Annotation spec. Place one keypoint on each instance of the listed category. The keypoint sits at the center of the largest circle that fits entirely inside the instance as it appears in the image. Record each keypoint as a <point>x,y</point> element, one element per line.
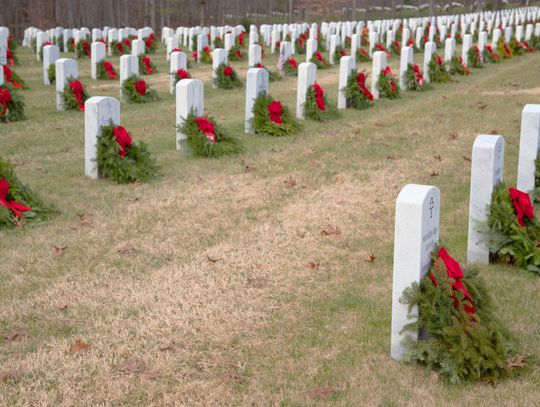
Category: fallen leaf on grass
<point>494,131</point>
<point>313,265</point>
<point>371,258</point>
<point>437,157</point>
<point>172,347</point>
<point>290,182</point>
<point>301,234</point>
<point>482,106</point>
<point>214,259</point>
<point>321,392</point>
<point>453,136</point>
<point>84,220</point>
<point>127,249</point>
<point>78,346</point>
<point>247,167</point>
<point>237,377</point>
<point>331,231</point>
<point>17,336</point>
<point>466,158</point>
<point>390,157</point>
<point>59,250</point>
<point>434,174</point>
<point>519,361</point>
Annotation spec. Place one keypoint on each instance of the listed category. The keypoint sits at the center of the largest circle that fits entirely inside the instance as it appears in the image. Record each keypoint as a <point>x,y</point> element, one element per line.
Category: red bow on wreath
<point>109,69</point>
<point>418,74</point>
<point>381,48</point>
<point>15,207</point>
<point>119,47</point>
<point>46,43</point>
<point>241,39</point>
<point>361,81</point>
<point>149,40</point>
<point>182,74</point>
<point>176,50</point>
<point>275,110</point>
<point>5,98</point>
<point>388,73</point>
<point>439,60</point>
<point>319,96</point>
<point>396,45</point>
<point>453,269</point>
<point>522,205</point>
<point>86,48</point>
<point>238,53</point>
<point>127,41</point>
<point>195,56</point>
<point>9,55</point>
<point>410,43</point>
<point>228,71</point>
<point>342,52</point>
<point>507,50</point>
<point>78,90</point>
<point>7,77</point>
<point>140,87</point>
<point>292,62</point>
<point>477,51</point>
<point>147,65</point>
<point>123,139</point>
<point>207,128</point>
<point>364,53</point>
<point>319,56</point>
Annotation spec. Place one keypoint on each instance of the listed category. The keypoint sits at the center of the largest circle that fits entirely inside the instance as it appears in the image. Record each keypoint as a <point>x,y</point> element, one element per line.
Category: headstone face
<point>529,144</point>
<point>307,75</point>
<point>138,47</point>
<point>3,55</point>
<point>228,42</point>
<point>406,59</point>
<point>373,39</point>
<point>129,65</point>
<point>189,98</point>
<point>482,41</point>
<point>50,54</point>
<point>379,64</point>
<point>41,38</point>
<point>202,41</point>
<point>519,33</point>
<point>178,61</point>
<point>416,236</point>
<point>496,36</point>
<point>256,84</point>
<point>172,43</point>
<point>334,42</point>
<point>96,34</point>
<point>99,111</point>
<point>219,56</point>
<point>285,49</point>
<point>97,55</point>
<point>529,32</point>
<point>254,55</point>
<point>347,65</point>
<point>449,49</point>
<point>311,48</point>
<point>355,44</point>
<point>429,49</point>
<point>467,45</point>
<point>66,69</point>
<point>274,41</point>
<point>508,34</point>
<point>405,37</point>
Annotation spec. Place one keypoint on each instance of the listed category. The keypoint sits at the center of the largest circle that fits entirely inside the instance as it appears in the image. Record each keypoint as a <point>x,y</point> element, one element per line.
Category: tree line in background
<point>19,14</point>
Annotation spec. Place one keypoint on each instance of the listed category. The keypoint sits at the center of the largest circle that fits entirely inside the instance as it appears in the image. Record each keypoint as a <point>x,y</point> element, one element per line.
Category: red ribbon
<point>522,205</point>
<point>507,50</point>
<point>241,38</point>
<point>15,207</point>
<point>86,48</point>
<point>388,72</point>
<point>381,48</point>
<point>398,48</point>
<point>119,47</point>
<point>275,110</point>
<point>439,60</point>
<point>149,40</point>
<point>364,53</point>
<point>78,90</point>
<point>123,139</point>
<point>207,128</point>
<point>410,43</point>
<point>109,69</point>
<point>319,56</point>
<point>140,87</point>
<point>5,98</point>
<point>7,77</point>
<point>292,62</point>
<point>147,66</point>
<point>477,51</point>
<point>228,71</point>
<point>361,81</point>
<point>182,74</point>
<point>453,270</point>
<point>319,96</point>
<point>176,50</point>
<point>195,56</point>
<point>418,74</point>
<point>127,42</point>
<point>342,52</point>
<point>238,53</point>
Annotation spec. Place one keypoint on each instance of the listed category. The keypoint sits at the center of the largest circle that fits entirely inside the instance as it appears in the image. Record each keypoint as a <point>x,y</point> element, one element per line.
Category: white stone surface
<point>178,61</point>
<point>307,75</point>
<point>256,84</point>
<point>219,56</point>
<point>254,55</point>
<point>529,144</point>
<point>379,64</point>
<point>347,65</point>
<point>97,54</point>
<point>406,59</point>
<point>50,54</point>
<point>66,70</point>
<point>189,98</point>
<point>129,65</point>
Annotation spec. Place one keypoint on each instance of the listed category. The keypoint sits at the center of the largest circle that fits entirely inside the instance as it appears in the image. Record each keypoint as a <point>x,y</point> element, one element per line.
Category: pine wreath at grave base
<point>14,193</point>
<point>357,94</point>
<point>414,80</point>
<point>70,45</point>
<point>207,139</point>
<point>206,55</point>
<point>122,160</point>
<point>395,48</point>
<point>41,50</point>
<point>136,90</point>
<point>517,48</point>
<point>150,44</point>
<point>455,66</point>
<point>474,58</point>
<point>119,48</point>
<point>319,61</point>
<point>262,118</point>
<point>51,73</point>
<point>321,43</point>
<point>11,77</point>
<point>226,77</point>
<point>490,56</point>
<point>503,49</point>
<point>317,107</point>
<point>362,55</point>
<point>466,341</point>
<point>235,54</point>
<point>290,68</point>
<point>82,49</point>
<point>338,53</point>
<point>218,42</point>
<point>11,105</point>
<point>273,76</point>
<point>512,241</point>
<point>105,71</point>
<point>438,70</point>
<point>179,75</point>
<point>146,66</point>
<point>300,46</point>
<point>59,42</point>
<point>387,85</point>
<point>74,95</point>
<point>12,44</point>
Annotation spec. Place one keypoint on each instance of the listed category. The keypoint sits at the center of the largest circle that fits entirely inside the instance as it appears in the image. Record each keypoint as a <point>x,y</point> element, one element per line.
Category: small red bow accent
<point>522,205</point>
<point>182,74</point>
<point>78,90</point>
<point>319,56</point>
<point>275,110</point>
<point>123,139</point>
<point>361,81</point>
<point>228,71</point>
<point>207,128</point>
<point>319,96</point>
<point>15,207</point>
<point>140,87</point>
<point>109,69</point>
<point>292,62</point>
<point>418,74</point>
<point>147,65</point>
<point>5,98</point>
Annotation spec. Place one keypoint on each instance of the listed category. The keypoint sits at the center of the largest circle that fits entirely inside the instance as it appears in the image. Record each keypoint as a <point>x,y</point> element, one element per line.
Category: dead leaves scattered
<point>467,158</point>
<point>437,157</point>
<point>78,346</point>
<point>434,174</point>
<point>313,265</point>
<point>214,259</point>
<point>10,376</point>
<point>371,258</point>
<point>173,346</point>
<point>482,106</point>
<point>321,392</point>
<point>518,361</point>
<point>390,157</point>
<point>17,336</point>
<point>453,136</point>
<point>134,365</point>
<point>59,250</point>
<point>331,231</point>
<point>247,167</point>
<point>127,249</point>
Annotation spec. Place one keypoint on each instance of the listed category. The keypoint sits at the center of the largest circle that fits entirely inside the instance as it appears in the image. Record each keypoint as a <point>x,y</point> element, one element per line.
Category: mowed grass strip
<point>245,280</point>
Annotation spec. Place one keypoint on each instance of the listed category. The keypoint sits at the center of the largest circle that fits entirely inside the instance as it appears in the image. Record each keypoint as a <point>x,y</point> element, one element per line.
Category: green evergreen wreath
<point>23,195</point>
<point>290,69</point>
<point>15,78</point>
<point>206,56</point>
<point>70,101</point>
<point>51,73</point>
<point>338,51</point>
<point>312,111</point>
<point>142,65</point>
<point>136,165</point>
<point>321,43</point>
<point>150,44</point>
<point>223,81</point>
<point>60,42</point>
<point>438,70</point>
<point>273,76</point>
<point>473,58</point>
<point>218,43</point>
<point>454,66</point>
<point>490,56</point>
<point>101,72</point>
<point>70,45</point>
<point>201,145</point>
<point>412,82</point>
<point>461,347</point>
<point>503,49</point>
<point>133,96</point>
<point>14,108</point>
<point>300,46</point>
<point>516,47</point>
<point>235,54</point>
<point>320,63</point>
<point>362,55</point>
<point>80,50</point>
<point>262,123</point>
<point>506,238</point>
<point>384,85</point>
<point>354,95</point>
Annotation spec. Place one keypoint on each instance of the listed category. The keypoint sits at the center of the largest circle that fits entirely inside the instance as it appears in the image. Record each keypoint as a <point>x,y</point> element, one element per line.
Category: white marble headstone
<point>256,84</point>
<point>529,144</point>
<point>307,75</point>
<point>189,98</point>
<point>347,66</point>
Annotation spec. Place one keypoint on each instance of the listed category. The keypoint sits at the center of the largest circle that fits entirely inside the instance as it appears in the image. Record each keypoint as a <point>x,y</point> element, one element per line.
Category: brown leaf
<point>494,131</point>
<point>519,361</point>
<point>237,377</point>
<point>59,250</point>
<point>214,259</point>
<point>313,265</point>
<point>331,231</point>
<point>127,249</point>
<point>84,220</point>
<point>482,106</point>
<point>321,392</point>
<point>371,258</point>
<point>78,346</point>
<point>17,336</point>
<point>247,167</point>
<point>434,174</point>
<point>453,136</point>
<point>290,182</point>
<point>10,376</point>
<point>337,179</point>
<point>63,307</point>
<point>132,365</point>
<point>257,281</point>
<point>390,157</point>
<point>466,158</point>
<point>301,234</point>
<point>437,157</point>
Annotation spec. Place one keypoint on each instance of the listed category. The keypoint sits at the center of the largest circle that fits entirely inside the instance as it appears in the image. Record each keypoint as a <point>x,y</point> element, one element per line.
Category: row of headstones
<point>418,213</point>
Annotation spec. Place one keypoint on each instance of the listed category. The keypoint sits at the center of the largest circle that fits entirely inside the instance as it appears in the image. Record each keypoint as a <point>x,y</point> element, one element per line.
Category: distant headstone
<point>379,64</point>
<point>254,55</point>
<point>529,144</point>
<point>307,75</point>
<point>189,99</point>
<point>256,84</point>
<point>219,56</point>
<point>178,61</point>
<point>66,70</point>
<point>407,58</point>
<point>138,47</point>
<point>97,55</point>
<point>347,65</point>
<point>129,65</point>
<point>50,54</point>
